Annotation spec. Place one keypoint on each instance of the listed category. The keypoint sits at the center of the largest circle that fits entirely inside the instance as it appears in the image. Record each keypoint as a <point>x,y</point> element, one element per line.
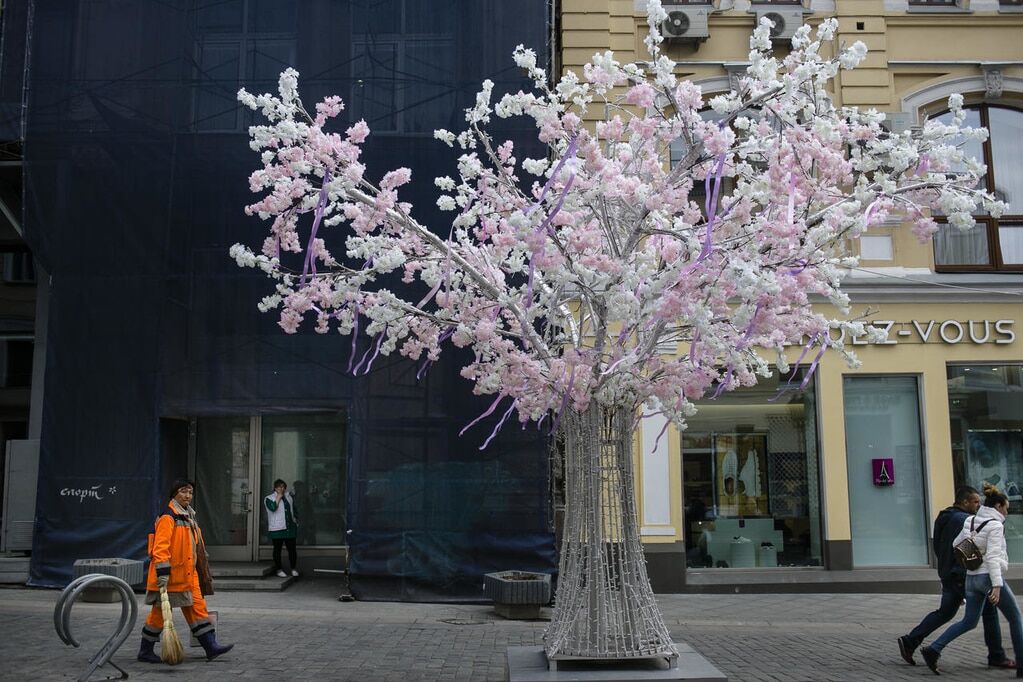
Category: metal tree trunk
<point>605,608</point>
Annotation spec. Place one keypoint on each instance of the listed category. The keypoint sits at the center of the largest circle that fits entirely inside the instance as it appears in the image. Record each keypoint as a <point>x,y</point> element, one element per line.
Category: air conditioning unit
<point>786,21</point>
<point>686,24</point>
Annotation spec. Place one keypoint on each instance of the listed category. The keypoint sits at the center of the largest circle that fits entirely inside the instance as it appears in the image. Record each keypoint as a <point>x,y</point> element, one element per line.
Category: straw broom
<point>171,651</point>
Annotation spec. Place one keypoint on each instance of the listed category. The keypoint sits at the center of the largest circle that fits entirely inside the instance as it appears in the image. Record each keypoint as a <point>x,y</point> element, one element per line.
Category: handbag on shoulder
<point>202,568</point>
<point>966,551</point>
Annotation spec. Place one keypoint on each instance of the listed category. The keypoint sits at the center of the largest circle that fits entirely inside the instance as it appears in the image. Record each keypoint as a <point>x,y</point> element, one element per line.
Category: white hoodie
<point>990,541</point>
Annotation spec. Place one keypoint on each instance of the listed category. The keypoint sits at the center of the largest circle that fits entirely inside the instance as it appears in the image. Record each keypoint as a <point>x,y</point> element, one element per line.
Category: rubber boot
<point>146,653</point>
<point>211,646</point>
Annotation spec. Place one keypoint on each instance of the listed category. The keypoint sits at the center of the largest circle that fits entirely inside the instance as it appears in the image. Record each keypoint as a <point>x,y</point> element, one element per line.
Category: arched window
<point>995,243</point>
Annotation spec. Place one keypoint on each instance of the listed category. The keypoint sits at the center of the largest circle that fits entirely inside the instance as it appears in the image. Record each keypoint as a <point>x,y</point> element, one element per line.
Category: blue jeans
<point>977,588</point>
<point>953,592</point>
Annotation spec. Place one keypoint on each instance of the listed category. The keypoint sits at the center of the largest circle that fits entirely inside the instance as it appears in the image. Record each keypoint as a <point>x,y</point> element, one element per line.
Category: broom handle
<point>165,607</point>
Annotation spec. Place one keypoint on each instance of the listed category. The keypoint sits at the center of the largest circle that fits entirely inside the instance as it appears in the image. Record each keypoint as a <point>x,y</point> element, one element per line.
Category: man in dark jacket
<point>953,585</point>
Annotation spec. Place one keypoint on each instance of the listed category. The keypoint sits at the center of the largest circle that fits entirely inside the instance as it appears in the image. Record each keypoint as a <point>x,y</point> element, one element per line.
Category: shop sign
<point>998,332</point>
<point>884,471</point>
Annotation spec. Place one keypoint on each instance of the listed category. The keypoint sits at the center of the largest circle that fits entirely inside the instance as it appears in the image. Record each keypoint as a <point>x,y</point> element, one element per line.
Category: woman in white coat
<point>985,582</point>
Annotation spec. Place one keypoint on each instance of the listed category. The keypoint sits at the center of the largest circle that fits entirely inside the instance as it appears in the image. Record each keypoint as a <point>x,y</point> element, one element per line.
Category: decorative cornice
<point>908,285</point>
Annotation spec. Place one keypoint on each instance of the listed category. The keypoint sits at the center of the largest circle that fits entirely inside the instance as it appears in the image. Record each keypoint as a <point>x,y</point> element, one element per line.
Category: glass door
<point>884,455</point>
<point>237,460</point>
<point>225,503</point>
<point>307,451</point>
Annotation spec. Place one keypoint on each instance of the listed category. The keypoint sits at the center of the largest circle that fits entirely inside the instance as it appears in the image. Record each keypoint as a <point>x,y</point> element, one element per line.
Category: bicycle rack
<point>129,613</point>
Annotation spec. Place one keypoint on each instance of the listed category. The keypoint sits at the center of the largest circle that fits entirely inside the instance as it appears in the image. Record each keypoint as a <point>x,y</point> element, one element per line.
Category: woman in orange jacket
<point>172,559</point>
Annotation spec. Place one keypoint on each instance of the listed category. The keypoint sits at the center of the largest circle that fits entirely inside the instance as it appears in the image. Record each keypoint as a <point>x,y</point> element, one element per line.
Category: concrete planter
<point>128,570</point>
<point>518,594</point>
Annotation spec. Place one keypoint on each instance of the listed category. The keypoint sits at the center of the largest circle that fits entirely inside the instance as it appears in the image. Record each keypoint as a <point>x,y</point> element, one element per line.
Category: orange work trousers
<point>196,615</point>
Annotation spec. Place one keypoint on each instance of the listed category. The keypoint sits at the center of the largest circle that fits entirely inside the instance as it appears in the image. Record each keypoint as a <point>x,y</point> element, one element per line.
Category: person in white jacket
<point>282,524</point>
<point>986,581</point>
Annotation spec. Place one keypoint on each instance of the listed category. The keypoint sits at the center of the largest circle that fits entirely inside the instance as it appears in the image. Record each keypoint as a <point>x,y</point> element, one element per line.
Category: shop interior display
<point>743,501</point>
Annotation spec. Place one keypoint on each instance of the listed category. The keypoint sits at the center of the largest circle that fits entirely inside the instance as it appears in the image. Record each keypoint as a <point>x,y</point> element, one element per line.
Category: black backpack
<point>966,552</point>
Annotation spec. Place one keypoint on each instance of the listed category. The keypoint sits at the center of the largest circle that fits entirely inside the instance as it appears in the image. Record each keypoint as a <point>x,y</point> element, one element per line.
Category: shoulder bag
<point>966,551</point>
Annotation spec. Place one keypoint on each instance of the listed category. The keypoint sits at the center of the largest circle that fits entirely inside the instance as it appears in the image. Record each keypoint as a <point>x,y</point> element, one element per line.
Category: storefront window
<point>308,452</point>
<point>750,480</point>
<point>985,405</point>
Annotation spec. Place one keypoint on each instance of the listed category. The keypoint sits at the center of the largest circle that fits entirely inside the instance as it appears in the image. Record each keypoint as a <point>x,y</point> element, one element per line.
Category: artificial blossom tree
<point>605,282</point>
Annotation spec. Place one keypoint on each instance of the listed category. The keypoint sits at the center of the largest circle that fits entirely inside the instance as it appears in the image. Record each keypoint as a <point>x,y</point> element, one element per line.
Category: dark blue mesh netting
<point>136,160</point>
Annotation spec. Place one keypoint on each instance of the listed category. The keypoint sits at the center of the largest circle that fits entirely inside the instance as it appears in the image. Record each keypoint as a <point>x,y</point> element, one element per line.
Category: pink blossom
<point>358,133</point>
<point>396,178</point>
<point>641,95</point>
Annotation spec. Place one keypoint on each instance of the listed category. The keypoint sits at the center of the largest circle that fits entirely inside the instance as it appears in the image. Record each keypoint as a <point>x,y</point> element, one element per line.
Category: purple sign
<point>884,471</point>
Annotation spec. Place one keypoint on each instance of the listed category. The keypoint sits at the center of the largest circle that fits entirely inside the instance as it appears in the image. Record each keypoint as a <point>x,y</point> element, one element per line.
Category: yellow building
<point>802,487</point>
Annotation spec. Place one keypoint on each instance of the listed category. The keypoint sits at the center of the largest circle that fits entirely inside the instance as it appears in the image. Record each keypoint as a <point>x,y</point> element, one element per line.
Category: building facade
<point>158,363</point>
<point>769,492</point>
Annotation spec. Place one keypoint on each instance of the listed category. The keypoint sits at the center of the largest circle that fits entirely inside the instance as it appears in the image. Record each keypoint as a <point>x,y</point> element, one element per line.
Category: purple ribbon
<point>375,351</point>
<point>792,199</point>
<point>490,411</point>
<point>545,223</point>
<point>710,204</point>
<point>427,362</point>
<point>749,328</point>
<point>724,380</point>
<point>664,428</point>
<point>813,366</point>
<point>499,425</point>
<point>321,204</point>
<point>569,152</point>
<point>804,264</point>
<point>564,400</point>
<point>355,339</point>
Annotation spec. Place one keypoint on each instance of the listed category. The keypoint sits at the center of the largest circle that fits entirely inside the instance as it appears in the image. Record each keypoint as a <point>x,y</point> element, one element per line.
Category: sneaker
<point>906,650</point>
<point>294,572</point>
<point>1006,663</point>
<point>931,658</point>
<point>282,574</point>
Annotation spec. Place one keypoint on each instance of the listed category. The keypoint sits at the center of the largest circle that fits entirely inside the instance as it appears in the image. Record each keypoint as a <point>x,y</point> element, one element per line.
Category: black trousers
<point>292,553</point>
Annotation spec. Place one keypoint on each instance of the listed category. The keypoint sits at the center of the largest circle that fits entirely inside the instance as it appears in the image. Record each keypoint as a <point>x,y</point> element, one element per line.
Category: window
<point>985,405</point>
<point>16,362</point>
<point>240,43</point>
<point>403,68</point>
<point>750,479</point>
<point>17,267</point>
<point>994,244</point>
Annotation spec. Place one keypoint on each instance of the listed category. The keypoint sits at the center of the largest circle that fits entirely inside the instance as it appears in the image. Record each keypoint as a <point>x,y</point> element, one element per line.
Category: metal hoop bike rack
<point>129,613</point>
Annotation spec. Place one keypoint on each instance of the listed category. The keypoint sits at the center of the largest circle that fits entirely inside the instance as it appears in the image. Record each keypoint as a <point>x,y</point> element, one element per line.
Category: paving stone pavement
<point>304,633</point>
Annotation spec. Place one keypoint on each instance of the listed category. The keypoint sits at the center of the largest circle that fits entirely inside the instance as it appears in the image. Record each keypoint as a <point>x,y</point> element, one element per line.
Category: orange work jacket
<point>172,551</point>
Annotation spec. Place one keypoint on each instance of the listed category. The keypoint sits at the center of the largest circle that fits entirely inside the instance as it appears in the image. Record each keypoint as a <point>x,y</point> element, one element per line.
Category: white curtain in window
<point>1006,152</point>
<point>1010,238</point>
<point>953,247</point>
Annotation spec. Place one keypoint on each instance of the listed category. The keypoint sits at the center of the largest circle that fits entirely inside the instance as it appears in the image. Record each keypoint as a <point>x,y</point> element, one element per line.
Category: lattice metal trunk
<point>604,608</point>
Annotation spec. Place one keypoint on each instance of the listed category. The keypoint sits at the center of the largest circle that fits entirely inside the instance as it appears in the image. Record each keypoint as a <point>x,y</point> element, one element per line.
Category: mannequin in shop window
<point>728,500</point>
<point>742,490</point>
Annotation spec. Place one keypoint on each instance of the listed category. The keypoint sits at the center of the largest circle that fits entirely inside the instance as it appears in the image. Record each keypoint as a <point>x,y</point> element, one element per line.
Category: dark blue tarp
<point>136,159</point>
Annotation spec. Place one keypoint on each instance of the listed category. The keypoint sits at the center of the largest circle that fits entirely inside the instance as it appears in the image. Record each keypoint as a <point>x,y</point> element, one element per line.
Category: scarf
<point>188,514</point>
